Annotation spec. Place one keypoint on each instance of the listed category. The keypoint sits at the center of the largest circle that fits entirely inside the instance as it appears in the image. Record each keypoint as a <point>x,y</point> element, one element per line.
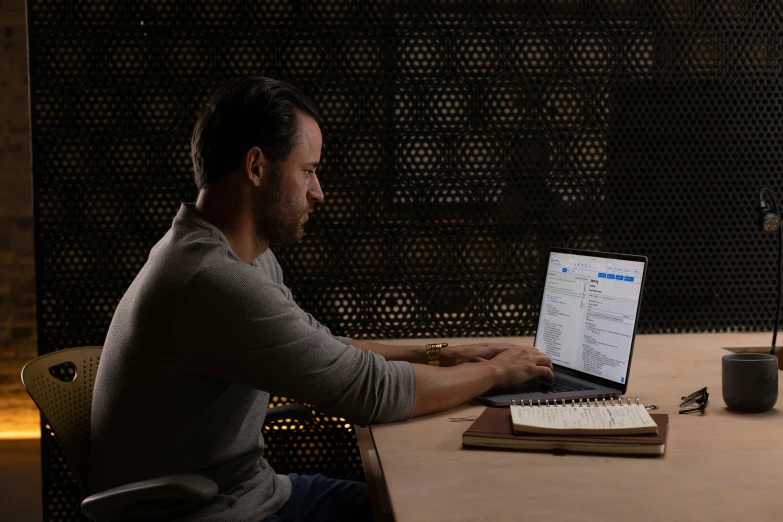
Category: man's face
<point>293,189</point>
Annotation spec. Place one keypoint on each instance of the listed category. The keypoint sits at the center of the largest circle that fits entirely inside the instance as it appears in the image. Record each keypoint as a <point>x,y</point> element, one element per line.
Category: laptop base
<point>506,397</point>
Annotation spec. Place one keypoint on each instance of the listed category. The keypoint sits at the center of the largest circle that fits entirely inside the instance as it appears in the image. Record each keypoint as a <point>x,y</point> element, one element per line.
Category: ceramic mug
<point>750,382</point>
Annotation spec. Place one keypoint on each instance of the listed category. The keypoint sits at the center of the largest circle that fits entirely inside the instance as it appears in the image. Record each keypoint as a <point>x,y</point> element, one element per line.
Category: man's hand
<point>454,355</point>
<point>439,389</point>
<point>519,364</point>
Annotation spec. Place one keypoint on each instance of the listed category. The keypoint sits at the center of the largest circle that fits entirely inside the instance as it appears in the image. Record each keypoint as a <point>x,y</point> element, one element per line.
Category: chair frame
<point>41,386</point>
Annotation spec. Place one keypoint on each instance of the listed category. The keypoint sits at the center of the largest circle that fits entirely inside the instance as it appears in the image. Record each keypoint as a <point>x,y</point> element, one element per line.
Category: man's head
<point>261,137</point>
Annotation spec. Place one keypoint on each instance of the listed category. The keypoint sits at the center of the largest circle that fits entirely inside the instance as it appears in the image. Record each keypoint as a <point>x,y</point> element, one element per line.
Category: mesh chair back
<point>61,385</point>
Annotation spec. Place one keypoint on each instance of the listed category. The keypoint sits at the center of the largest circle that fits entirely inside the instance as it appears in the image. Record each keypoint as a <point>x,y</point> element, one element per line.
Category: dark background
<point>462,141</point>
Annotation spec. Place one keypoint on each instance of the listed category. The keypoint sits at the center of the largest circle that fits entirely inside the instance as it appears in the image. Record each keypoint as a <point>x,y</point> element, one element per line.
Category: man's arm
<point>439,389</point>
<point>412,354</point>
<point>449,356</point>
<point>235,326</point>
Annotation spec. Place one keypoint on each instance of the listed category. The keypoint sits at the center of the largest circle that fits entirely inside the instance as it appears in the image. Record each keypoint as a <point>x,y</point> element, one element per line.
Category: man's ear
<point>255,166</point>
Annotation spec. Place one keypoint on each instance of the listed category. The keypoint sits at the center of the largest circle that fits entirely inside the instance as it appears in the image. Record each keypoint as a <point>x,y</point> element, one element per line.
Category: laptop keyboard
<point>557,386</point>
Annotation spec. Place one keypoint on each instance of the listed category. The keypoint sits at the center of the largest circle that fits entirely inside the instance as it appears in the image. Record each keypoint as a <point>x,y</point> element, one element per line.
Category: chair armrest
<point>181,487</point>
<point>294,411</point>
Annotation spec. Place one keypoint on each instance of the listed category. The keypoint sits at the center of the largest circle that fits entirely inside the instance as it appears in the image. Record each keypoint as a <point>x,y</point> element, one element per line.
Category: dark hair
<point>249,112</point>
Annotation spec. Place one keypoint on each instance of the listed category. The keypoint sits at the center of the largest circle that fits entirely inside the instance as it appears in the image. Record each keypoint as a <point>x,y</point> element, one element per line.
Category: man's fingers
<point>544,361</point>
<point>544,372</point>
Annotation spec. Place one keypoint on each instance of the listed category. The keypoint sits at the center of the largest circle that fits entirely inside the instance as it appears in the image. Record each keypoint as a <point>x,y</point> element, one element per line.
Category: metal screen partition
<point>462,141</point>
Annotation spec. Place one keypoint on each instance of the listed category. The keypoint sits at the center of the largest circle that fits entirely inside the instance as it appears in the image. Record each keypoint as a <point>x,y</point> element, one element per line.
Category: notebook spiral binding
<point>581,404</point>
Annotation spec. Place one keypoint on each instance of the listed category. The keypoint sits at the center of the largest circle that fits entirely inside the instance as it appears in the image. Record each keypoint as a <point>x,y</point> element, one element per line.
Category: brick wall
<point>17,268</point>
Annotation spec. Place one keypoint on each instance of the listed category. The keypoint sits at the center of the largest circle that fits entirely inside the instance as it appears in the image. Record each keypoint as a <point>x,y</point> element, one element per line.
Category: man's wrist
<point>446,355</point>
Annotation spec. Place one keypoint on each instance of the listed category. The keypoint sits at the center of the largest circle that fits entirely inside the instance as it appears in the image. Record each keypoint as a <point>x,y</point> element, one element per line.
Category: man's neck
<point>234,220</point>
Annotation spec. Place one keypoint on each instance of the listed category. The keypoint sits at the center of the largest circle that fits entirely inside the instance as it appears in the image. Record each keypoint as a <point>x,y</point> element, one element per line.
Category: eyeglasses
<point>699,398</point>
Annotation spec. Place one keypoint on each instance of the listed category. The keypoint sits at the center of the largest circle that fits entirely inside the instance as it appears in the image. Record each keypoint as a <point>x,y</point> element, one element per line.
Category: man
<point>208,330</point>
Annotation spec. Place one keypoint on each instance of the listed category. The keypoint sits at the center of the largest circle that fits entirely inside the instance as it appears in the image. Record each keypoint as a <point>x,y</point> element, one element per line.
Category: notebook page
<point>582,417</point>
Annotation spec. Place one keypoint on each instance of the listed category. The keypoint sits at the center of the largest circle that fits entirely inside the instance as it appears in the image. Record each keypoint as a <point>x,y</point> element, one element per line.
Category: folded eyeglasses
<point>695,402</point>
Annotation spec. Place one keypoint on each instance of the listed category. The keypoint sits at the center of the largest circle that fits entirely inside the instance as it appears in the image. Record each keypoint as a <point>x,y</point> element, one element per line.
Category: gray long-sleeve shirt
<point>195,347</point>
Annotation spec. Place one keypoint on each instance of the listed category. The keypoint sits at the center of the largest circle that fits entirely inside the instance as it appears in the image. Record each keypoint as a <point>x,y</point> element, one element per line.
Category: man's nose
<point>314,192</point>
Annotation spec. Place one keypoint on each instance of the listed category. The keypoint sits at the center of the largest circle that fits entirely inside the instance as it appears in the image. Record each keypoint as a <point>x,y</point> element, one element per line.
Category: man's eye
<point>310,172</point>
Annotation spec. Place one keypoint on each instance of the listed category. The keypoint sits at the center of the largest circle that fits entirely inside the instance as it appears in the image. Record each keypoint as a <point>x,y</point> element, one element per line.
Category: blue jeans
<point>315,498</point>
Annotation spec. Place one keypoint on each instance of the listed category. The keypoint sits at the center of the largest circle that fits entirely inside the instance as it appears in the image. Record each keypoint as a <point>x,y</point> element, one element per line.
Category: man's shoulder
<point>184,252</point>
<point>195,262</point>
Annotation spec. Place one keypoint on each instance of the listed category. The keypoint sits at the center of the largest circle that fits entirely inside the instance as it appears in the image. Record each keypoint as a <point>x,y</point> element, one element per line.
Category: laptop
<point>587,326</point>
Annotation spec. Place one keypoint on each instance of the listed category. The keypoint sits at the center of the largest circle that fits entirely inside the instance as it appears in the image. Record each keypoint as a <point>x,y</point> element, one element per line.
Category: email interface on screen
<point>588,313</point>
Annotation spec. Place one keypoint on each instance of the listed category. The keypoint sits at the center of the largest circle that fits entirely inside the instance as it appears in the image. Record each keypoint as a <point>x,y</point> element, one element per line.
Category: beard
<point>282,218</point>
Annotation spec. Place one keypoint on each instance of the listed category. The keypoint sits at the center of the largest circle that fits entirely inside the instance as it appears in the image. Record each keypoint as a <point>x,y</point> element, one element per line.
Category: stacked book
<point>616,429</point>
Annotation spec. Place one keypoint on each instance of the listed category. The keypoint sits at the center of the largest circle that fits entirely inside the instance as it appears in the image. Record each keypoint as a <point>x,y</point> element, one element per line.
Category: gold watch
<point>433,353</point>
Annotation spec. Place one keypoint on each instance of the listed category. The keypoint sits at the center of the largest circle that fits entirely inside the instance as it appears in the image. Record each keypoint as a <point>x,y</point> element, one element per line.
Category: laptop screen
<point>588,313</point>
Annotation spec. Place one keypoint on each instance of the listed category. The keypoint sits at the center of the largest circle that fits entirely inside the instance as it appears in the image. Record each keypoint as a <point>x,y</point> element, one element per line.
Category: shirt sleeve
<point>235,325</point>
<point>312,321</point>
<point>268,261</point>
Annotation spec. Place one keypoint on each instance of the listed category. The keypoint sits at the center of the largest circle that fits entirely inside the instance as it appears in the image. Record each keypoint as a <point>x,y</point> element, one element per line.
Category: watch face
<point>433,353</point>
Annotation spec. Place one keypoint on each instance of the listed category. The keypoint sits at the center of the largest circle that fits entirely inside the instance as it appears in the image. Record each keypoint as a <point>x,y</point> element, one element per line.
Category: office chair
<point>61,385</point>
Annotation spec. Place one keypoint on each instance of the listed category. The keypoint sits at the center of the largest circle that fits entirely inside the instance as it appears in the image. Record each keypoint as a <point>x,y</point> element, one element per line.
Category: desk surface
<point>719,466</point>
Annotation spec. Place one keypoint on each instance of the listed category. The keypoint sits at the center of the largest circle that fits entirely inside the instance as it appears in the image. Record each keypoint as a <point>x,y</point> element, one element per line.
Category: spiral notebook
<point>494,430</point>
<point>584,418</point>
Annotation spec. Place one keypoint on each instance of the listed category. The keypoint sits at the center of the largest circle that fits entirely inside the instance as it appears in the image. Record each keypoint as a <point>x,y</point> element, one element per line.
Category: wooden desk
<point>719,466</point>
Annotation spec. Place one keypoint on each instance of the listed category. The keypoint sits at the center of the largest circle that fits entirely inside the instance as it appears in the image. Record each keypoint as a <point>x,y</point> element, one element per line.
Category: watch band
<point>433,353</point>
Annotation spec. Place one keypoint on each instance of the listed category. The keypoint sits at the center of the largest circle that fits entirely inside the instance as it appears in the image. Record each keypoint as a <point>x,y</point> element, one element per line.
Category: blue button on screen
<point>622,379</point>
<point>628,278</point>
<point>610,276</point>
<point>565,270</point>
<point>601,274</point>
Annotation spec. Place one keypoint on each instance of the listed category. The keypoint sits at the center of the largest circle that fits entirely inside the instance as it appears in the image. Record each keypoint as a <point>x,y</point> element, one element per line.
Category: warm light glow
<point>19,418</point>
<point>20,434</point>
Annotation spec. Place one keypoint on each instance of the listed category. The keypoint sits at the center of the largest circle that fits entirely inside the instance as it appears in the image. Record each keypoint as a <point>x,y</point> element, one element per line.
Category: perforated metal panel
<point>462,141</point>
